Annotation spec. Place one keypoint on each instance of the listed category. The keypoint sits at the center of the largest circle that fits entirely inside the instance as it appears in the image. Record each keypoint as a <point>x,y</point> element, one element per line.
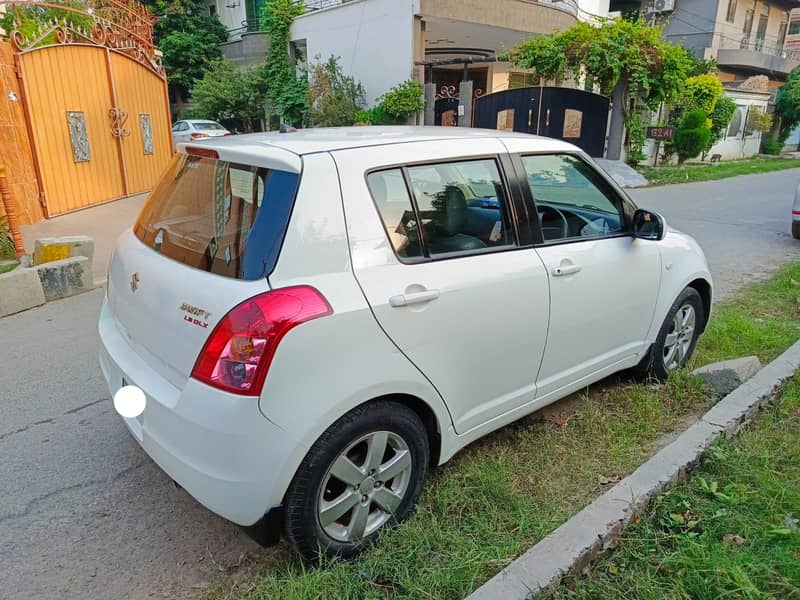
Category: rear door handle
<point>565,270</point>
<point>413,298</point>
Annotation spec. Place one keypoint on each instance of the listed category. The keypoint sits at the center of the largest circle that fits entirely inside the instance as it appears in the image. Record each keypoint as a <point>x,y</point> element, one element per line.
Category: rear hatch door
<point>205,241</point>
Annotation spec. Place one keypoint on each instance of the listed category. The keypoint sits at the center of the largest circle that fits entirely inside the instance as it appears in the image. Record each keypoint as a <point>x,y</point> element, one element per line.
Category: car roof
<point>200,121</point>
<point>310,141</point>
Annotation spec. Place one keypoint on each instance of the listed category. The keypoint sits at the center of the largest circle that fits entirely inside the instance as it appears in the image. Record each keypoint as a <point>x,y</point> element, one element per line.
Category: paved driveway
<point>85,514</point>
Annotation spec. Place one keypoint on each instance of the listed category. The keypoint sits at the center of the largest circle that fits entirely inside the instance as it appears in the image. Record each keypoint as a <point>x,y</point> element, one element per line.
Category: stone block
<point>64,278</point>
<point>58,248</point>
<point>724,377</point>
<point>20,290</point>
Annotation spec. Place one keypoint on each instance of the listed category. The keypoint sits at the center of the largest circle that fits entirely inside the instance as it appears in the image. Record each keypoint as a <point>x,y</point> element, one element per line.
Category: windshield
<point>220,217</point>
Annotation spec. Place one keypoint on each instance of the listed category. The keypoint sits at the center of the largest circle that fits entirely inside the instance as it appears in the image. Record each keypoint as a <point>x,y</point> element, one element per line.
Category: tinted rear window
<point>224,218</point>
<point>209,127</point>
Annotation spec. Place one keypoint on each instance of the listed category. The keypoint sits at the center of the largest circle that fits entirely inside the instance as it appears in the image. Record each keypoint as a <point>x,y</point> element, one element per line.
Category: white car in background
<point>316,318</point>
<point>196,129</point>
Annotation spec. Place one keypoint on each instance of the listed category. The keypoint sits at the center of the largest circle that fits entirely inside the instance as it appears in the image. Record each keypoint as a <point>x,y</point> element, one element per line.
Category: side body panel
<point>480,341</point>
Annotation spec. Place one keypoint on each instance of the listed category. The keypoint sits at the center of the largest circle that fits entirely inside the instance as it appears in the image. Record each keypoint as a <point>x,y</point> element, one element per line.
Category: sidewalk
<point>103,223</point>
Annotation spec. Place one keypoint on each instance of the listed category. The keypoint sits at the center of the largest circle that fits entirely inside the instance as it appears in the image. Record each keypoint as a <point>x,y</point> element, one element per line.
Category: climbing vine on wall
<point>287,92</point>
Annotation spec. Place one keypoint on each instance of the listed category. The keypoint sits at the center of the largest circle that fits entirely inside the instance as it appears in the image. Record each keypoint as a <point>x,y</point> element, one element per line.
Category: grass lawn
<point>505,492</point>
<point>721,170</point>
<point>732,530</point>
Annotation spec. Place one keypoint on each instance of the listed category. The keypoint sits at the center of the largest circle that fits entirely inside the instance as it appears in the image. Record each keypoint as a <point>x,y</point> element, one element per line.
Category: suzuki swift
<point>316,318</point>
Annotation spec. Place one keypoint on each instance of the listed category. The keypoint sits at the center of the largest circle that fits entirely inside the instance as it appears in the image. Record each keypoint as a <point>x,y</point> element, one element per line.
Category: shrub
<point>702,92</point>
<point>720,119</point>
<point>403,100</point>
<point>770,146</point>
<point>334,99</point>
<point>692,135</point>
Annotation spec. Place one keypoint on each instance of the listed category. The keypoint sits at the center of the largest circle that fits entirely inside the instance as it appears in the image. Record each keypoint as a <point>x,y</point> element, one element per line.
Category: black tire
<point>653,365</point>
<point>302,524</point>
<point>796,230</point>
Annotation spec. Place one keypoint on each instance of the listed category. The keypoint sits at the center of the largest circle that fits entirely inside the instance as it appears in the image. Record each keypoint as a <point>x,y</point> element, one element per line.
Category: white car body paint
<point>522,337</point>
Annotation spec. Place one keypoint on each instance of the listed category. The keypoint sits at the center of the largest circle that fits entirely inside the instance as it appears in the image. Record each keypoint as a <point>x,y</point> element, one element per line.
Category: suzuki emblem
<point>135,282</point>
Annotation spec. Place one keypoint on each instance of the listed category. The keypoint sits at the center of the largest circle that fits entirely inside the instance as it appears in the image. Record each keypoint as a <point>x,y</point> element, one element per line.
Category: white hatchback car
<point>318,317</point>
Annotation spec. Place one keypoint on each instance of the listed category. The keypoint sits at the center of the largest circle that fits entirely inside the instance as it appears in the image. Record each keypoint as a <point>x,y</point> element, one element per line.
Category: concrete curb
<point>572,546</point>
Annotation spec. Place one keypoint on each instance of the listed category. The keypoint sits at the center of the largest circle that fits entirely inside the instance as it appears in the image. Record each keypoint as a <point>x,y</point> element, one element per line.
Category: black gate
<point>567,114</point>
<point>446,112</point>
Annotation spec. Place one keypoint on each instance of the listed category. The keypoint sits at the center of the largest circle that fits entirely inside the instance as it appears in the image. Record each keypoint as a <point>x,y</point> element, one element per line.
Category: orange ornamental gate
<point>96,104</point>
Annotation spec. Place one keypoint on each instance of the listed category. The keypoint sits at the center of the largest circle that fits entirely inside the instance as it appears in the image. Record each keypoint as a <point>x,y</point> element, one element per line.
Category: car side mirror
<point>649,225</point>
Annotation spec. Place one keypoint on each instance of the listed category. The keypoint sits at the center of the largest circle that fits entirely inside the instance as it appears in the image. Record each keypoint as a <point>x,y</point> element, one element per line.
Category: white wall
<point>231,17</point>
<point>736,145</point>
<point>373,39</point>
<point>591,8</point>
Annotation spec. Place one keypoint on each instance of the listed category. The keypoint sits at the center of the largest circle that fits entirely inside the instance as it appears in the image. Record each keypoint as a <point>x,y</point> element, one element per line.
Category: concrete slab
<point>20,290</point>
<point>64,278</point>
<point>50,249</point>
<point>103,223</point>
<point>725,376</point>
<point>568,549</point>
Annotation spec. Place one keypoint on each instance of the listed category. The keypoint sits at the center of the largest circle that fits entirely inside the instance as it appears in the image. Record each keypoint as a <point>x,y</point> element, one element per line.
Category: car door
<point>604,283</point>
<point>436,252</point>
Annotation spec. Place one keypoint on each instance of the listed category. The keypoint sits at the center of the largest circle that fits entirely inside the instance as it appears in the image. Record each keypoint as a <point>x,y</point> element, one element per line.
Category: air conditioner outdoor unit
<point>662,6</point>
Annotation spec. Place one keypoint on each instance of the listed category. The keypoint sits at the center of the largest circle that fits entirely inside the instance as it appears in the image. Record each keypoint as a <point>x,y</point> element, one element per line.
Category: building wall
<point>692,24</point>
<point>231,17</point>
<point>520,15</point>
<point>735,144</point>
<point>15,147</point>
<point>374,40</point>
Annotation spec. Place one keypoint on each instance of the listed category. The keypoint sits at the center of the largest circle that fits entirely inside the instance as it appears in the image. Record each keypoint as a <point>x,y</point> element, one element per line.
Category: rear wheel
<point>364,474</point>
<point>796,230</point>
<point>677,337</point>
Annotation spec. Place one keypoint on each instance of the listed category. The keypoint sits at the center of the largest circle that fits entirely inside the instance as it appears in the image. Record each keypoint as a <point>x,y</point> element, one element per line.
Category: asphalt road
<point>85,514</point>
<point>742,223</point>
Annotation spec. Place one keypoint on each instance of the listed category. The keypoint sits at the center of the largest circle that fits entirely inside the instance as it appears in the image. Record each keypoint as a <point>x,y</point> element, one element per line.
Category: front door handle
<point>565,270</point>
<point>413,298</point>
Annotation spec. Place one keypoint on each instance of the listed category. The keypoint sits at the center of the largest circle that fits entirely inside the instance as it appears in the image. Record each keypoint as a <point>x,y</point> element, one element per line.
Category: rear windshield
<point>224,218</point>
<point>209,126</point>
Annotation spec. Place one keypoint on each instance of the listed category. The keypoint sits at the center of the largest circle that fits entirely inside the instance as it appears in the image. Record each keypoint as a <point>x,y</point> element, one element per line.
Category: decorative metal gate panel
<point>571,115</point>
<point>96,104</point>
<point>78,157</point>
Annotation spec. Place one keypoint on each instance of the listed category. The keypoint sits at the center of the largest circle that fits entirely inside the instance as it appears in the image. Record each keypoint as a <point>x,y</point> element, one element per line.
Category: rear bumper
<point>217,446</point>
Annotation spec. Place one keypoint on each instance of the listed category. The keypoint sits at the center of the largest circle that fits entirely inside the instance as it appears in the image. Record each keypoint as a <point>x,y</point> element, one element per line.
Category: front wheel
<point>677,337</point>
<point>364,474</point>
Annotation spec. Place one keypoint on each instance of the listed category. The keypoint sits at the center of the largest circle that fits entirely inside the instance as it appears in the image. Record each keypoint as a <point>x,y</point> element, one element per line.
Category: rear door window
<point>224,218</point>
<point>462,205</point>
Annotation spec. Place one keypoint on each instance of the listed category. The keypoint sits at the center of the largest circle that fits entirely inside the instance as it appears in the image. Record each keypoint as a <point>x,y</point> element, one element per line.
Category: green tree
<point>692,135</point>
<point>234,96</point>
<point>334,98</point>
<point>628,59</point>
<point>787,104</point>
<point>188,38</point>
<point>720,119</point>
<point>286,91</point>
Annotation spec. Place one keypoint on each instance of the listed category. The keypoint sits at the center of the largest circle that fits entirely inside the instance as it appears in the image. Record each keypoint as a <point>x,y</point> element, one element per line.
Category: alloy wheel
<point>680,337</point>
<point>364,486</point>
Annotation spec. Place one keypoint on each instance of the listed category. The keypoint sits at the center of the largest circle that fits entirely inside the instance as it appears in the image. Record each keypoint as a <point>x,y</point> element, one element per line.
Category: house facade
<point>384,42</point>
<point>745,37</point>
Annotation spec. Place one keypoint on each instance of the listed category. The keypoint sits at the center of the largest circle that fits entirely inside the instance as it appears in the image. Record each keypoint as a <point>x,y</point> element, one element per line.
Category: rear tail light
<point>202,152</point>
<point>237,355</point>
<point>197,136</point>
<point>227,133</point>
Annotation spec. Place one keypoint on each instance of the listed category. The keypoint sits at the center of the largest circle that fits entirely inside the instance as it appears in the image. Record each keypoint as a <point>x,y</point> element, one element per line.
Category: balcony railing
<point>760,45</point>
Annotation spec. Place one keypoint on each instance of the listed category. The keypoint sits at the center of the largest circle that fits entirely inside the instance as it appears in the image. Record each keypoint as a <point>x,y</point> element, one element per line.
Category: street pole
<point>10,207</point>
